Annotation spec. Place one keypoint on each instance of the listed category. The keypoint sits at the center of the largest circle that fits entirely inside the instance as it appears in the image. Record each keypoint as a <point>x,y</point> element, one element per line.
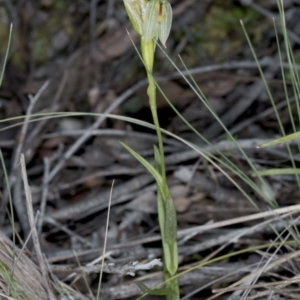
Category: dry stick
<point>130,268</point>
<point>33,134</point>
<point>88,133</point>
<point>103,173</point>
<point>37,129</point>
<point>279,211</point>
<point>15,180</point>
<point>33,100</point>
<point>151,138</point>
<point>96,203</point>
<point>251,144</point>
<point>45,188</point>
<point>245,64</point>
<point>25,242</point>
<point>68,231</point>
<point>33,228</point>
<point>116,250</point>
<point>263,228</point>
<point>70,268</point>
<point>92,29</point>
<point>110,9</point>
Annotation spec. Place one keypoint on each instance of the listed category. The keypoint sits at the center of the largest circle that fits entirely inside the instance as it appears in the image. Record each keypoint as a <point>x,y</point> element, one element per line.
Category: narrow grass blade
<point>281,140</point>
<point>282,171</point>
<point>6,55</point>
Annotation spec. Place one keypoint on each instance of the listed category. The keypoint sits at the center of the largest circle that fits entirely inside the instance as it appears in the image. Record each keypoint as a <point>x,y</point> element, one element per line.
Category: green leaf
<point>171,258</point>
<point>170,221</point>
<point>174,265</point>
<point>159,196</point>
<point>6,55</point>
<point>274,172</point>
<point>283,139</point>
<point>157,158</point>
<point>146,164</point>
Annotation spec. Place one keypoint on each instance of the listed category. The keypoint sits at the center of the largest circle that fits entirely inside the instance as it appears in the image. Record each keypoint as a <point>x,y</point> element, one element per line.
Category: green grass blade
<point>284,139</point>
<point>6,55</point>
<point>281,171</point>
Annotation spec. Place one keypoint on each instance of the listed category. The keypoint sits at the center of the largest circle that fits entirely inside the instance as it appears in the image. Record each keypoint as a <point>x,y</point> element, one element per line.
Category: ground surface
<point>76,56</point>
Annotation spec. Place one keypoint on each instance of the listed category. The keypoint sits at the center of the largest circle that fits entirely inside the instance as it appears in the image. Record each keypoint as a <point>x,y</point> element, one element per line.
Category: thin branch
<point>33,229</point>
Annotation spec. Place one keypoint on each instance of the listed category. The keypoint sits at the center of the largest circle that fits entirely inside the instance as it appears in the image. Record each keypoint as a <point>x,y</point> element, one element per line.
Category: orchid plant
<point>152,20</point>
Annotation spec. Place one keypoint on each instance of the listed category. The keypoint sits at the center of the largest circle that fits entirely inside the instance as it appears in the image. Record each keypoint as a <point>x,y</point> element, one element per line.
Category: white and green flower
<point>151,19</point>
<point>157,21</point>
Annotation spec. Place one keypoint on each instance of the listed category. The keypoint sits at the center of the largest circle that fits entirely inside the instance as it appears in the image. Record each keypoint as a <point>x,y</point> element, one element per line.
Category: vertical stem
<point>148,56</point>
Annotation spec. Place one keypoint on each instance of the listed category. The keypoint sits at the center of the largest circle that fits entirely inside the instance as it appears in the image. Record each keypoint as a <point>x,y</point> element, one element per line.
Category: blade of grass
<point>6,55</point>
<point>105,243</point>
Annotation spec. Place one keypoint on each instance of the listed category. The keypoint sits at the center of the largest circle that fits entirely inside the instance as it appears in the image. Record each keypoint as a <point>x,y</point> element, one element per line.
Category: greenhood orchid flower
<point>157,21</point>
<point>151,19</point>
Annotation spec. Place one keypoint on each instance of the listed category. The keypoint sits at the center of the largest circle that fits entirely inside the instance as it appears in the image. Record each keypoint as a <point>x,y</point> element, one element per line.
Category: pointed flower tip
<point>135,11</point>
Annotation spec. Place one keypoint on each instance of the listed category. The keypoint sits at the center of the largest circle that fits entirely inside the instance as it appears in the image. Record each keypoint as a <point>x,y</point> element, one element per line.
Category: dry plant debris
<point>20,276</point>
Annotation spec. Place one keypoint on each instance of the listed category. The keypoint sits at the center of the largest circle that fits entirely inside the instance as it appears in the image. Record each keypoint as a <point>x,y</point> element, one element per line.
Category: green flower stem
<point>169,248</point>
<point>152,20</point>
<point>148,57</point>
